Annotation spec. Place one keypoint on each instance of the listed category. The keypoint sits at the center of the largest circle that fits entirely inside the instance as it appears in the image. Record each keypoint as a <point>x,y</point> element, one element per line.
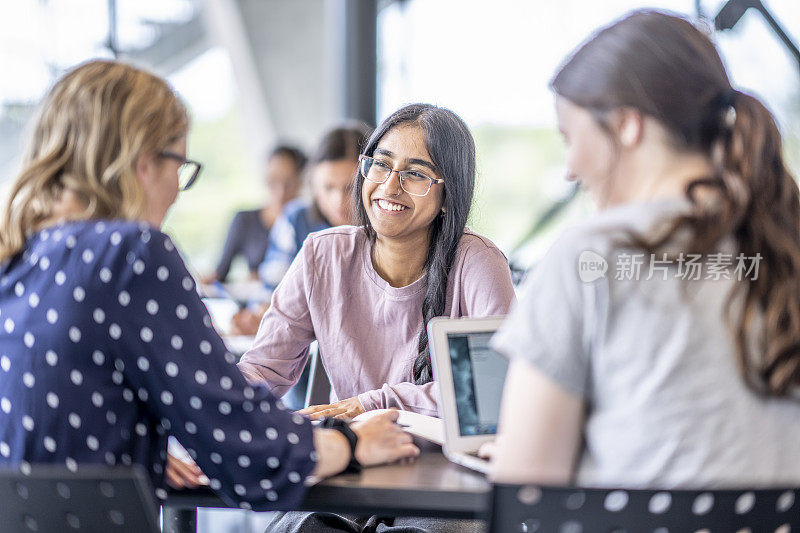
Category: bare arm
<point>540,429</point>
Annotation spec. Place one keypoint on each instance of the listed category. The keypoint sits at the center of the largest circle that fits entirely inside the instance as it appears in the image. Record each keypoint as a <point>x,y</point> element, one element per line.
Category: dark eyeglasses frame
<point>183,161</point>
<point>400,174</point>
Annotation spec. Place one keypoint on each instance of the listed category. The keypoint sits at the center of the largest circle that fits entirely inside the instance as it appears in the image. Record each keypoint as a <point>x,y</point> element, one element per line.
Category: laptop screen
<point>478,377</point>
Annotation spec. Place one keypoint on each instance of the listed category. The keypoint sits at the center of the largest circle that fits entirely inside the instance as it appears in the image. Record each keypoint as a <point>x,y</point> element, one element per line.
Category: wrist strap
<point>344,428</point>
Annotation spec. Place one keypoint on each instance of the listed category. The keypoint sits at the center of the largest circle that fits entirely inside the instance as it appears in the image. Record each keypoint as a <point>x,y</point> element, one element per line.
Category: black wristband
<point>344,428</point>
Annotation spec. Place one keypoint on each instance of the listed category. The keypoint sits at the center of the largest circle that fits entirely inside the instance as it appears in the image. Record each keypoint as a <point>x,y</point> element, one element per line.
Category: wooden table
<point>429,486</point>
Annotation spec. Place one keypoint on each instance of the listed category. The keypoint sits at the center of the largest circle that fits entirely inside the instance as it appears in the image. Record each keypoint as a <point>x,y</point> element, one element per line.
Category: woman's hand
<point>380,440</point>
<point>245,322</point>
<point>181,474</point>
<point>343,409</point>
<point>488,450</point>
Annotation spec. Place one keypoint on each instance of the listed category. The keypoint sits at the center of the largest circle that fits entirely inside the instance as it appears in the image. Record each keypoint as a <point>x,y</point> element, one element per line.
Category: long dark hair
<point>663,66</point>
<point>452,149</point>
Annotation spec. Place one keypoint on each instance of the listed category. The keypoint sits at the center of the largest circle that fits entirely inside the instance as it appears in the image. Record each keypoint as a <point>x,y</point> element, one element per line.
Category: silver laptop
<point>471,378</point>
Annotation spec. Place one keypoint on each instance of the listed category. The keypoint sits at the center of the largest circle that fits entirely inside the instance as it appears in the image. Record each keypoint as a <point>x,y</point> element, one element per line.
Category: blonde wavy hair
<point>88,134</point>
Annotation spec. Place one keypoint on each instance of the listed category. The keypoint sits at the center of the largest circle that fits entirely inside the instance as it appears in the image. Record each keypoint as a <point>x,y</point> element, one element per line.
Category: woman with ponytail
<point>366,292</point>
<point>658,343</point>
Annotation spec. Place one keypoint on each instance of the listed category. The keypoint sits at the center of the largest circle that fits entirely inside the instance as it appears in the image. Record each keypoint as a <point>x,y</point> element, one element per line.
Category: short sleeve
<point>256,454</point>
<point>547,327</point>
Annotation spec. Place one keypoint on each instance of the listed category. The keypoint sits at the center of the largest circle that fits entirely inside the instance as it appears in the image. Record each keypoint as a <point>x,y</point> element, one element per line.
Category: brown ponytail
<point>663,66</point>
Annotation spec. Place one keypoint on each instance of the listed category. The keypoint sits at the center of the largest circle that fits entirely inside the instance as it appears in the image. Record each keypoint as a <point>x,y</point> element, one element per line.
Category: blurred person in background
<point>248,234</point>
<point>673,376</point>
<point>331,171</point>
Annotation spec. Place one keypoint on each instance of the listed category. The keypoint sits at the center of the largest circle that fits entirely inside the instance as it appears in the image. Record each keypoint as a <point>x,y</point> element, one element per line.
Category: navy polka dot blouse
<point>106,349</point>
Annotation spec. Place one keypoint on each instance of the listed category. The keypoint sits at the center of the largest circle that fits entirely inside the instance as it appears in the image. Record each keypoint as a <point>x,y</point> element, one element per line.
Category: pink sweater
<point>367,330</point>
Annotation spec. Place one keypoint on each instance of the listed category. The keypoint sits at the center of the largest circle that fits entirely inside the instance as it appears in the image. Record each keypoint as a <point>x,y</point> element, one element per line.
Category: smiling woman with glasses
<point>366,292</point>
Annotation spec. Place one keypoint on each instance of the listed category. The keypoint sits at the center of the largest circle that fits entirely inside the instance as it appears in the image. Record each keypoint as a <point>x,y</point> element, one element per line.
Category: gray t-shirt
<point>654,361</point>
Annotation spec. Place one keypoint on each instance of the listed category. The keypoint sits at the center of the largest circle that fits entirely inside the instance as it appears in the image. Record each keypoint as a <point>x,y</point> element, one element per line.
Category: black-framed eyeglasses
<point>413,182</point>
<point>188,171</point>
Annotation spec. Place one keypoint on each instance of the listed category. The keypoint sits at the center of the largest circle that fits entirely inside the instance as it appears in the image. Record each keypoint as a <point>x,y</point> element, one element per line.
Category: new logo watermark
<point>688,267</point>
<point>591,266</point>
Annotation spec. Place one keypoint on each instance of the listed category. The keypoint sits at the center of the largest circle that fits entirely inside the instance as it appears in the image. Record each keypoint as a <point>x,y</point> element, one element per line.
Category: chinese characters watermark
<point>688,267</point>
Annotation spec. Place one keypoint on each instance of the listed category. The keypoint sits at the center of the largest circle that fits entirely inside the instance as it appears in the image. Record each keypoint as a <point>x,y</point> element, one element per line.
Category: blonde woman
<point>102,327</point>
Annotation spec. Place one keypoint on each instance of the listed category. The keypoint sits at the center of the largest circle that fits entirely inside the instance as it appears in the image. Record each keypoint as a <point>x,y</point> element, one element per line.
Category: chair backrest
<point>93,498</point>
<point>319,386</point>
<point>530,508</point>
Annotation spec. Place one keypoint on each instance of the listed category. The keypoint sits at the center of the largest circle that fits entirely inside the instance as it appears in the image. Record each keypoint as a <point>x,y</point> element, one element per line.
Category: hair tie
<point>724,103</point>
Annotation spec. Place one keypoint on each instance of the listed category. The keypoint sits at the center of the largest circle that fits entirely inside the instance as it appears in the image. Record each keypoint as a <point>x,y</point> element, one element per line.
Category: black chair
<point>319,386</point>
<point>50,498</point>
<point>530,508</point>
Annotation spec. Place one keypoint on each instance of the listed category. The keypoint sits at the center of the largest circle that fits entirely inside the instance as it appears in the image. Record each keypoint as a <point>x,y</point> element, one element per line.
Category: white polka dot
<point>166,397</point>
<point>245,436</point>
<point>314,456</point>
<point>100,227</point>
<point>247,406</point>
<point>110,459</point>
<point>126,459</point>
<point>119,365</point>
<point>52,399</point>
<point>207,321</point>
<point>19,289</point>
<point>44,263</point>
<point>168,246</point>
<point>176,342</point>
<point>141,429</point>
<point>224,408</point>
<point>116,377</point>
<point>60,277</point>
<point>28,339</point>
<point>205,347</point>
<point>88,256</point>
<point>79,294</point>
<point>114,331</point>
<point>272,495</point>
<point>215,484</point>
<point>105,274</point>
<point>188,284</point>
<point>293,438</point>
<point>71,241</point>
<point>181,311</point>
<point>127,395</point>
<point>162,273</point>
<point>74,420</point>
<point>294,477</point>
<point>239,489</point>
<point>74,334</point>
<point>97,399</point>
<point>9,325</point>
<point>116,238</point>
<point>5,450</point>
<point>33,300</point>
<point>248,392</point>
<point>5,405</point>
<point>266,484</point>
<point>272,433</point>
<point>273,462</point>
<point>76,377</point>
<point>191,428</point>
<point>111,417</point>
<point>152,307</point>
<point>171,369</point>
<point>216,458</point>
<point>50,444</point>
<point>218,434</point>
<point>143,364</point>
<point>145,236</point>
<point>124,298</point>
<point>200,377</point>
<point>143,395</point>
<point>92,443</point>
<point>5,363</point>
<point>138,266</point>
<point>72,465</point>
<point>28,380</point>
<point>244,461</point>
<point>195,402</point>
<point>52,316</point>
<point>297,419</point>
<point>98,357</point>
<point>99,315</point>
<point>225,382</point>
<point>161,494</point>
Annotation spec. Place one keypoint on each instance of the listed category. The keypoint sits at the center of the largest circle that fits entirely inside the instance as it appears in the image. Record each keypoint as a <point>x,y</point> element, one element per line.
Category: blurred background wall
<point>255,72</point>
